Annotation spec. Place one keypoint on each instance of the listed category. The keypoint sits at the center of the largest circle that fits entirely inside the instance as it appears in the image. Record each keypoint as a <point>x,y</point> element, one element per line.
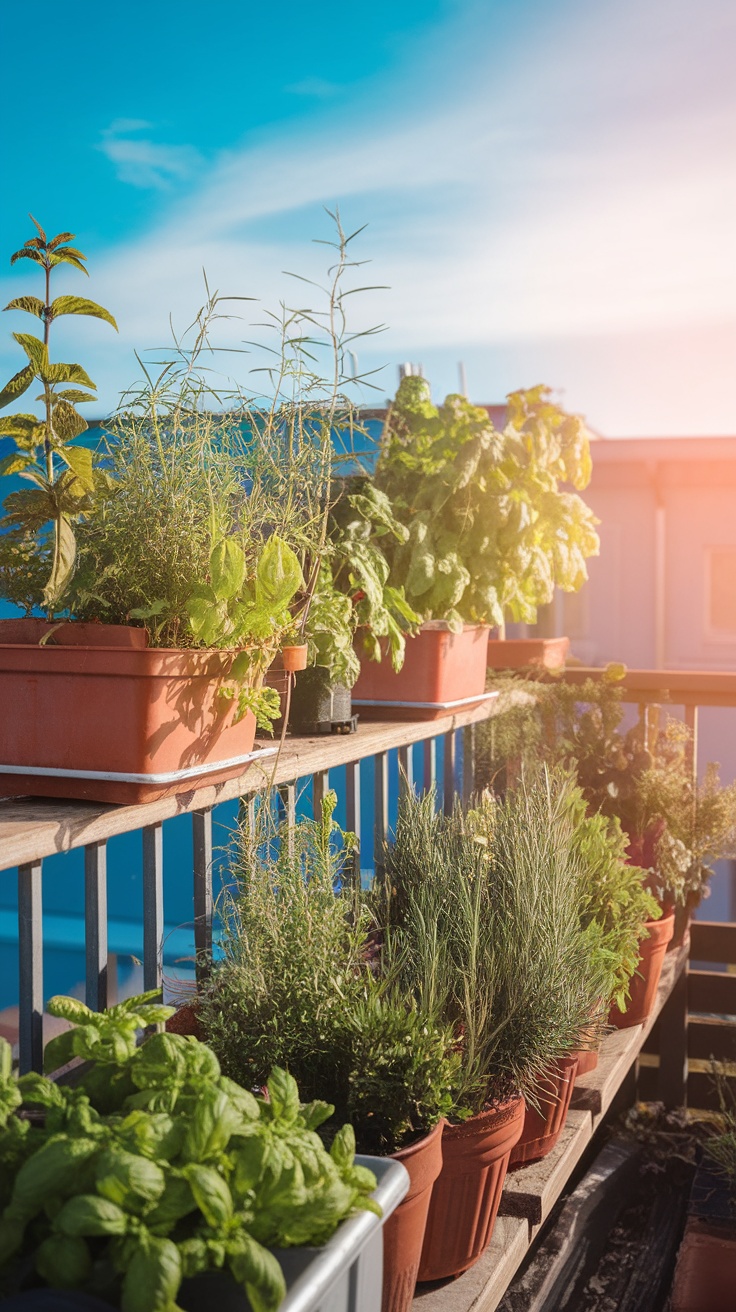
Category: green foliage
<point>483,926</point>
<point>66,481</point>
<point>181,1171</point>
<point>616,903</point>
<point>297,989</point>
<point>491,529</point>
<point>720,1149</point>
<point>353,594</point>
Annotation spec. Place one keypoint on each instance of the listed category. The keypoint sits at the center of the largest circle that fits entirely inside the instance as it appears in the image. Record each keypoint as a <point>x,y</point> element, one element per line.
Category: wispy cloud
<point>316,88</point>
<point>583,189</point>
<point>142,162</point>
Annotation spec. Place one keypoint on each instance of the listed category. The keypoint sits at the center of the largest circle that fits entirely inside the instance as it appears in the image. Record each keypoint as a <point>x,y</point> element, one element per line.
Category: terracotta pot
<point>403,1233</point>
<point>644,984</point>
<point>705,1275</point>
<point>519,653</point>
<point>543,1128</point>
<point>442,672</point>
<point>587,1060</point>
<point>117,724</point>
<point>465,1198</point>
<point>294,658</point>
<point>29,631</point>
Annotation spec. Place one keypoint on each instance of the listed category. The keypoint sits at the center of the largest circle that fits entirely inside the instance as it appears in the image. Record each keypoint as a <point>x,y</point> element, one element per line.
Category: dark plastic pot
<point>442,672</point>
<point>645,982</point>
<point>403,1233</point>
<point>467,1192</point>
<point>121,723</point>
<point>543,1128</point>
<point>520,653</point>
<point>317,704</point>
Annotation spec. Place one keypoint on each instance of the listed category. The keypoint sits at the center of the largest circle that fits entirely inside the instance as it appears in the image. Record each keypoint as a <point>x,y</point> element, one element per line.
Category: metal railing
<point>32,829</point>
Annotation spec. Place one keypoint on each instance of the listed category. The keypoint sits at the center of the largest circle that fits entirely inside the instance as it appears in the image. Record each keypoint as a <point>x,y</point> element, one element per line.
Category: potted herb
<point>298,985</point>
<point>354,609</point>
<point>482,923</point>
<point>180,1173</point>
<point>491,530</point>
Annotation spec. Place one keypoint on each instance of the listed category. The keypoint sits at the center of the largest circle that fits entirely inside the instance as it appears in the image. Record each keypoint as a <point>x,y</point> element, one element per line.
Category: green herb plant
<point>65,478</point>
<point>353,596</point>
<point>495,520</point>
<point>298,986</point>
<point>482,920</point>
<point>188,1173</point>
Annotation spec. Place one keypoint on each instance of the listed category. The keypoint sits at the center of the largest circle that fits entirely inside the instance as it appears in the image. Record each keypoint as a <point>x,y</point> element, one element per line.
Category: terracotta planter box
<point>543,1128</point>
<point>403,1233</point>
<point>705,1275</point>
<point>467,1192</point>
<point>645,982</point>
<point>520,653</point>
<point>442,672</point>
<point>122,724</point>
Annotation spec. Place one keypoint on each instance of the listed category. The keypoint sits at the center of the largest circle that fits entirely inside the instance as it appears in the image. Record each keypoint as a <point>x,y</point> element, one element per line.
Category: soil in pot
<point>403,1233</point>
<point>442,671</point>
<point>467,1192</point>
<point>543,1128</point>
<point>645,982</point>
<point>522,653</point>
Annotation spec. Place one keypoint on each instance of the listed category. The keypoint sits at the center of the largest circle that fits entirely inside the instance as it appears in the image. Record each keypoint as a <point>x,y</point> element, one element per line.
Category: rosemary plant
<point>483,925</point>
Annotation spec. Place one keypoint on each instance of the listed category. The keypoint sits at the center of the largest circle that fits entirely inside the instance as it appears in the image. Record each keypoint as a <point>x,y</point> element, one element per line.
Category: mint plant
<point>65,481</point>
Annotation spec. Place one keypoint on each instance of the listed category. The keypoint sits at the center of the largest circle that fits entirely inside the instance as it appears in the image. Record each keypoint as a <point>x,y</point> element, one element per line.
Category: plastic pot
<point>645,982</point>
<point>344,1276</point>
<point>543,1128</point>
<point>467,1192</point>
<point>587,1060</point>
<point>403,1233</point>
<point>29,631</point>
<point>117,724</point>
<point>294,658</point>
<point>705,1275</point>
<point>520,653</point>
<point>442,672</point>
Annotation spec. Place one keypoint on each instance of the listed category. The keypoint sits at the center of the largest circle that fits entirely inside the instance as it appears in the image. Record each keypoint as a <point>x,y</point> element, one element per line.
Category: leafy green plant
<point>65,481</point>
<point>353,595</point>
<point>189,1173</point>
<point>616,902</point>
<point>676,827</point>
<point>297,987</point>
<point>492,528</point>
<point>482,917</point>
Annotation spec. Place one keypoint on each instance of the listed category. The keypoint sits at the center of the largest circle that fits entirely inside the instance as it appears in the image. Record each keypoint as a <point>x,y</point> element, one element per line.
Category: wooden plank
<point>671,1085</point>
<point>32,828</point>
<point>710,1037</point>
<point>532,1191</point>
<point>482,1287</point>
<point>711,941</point>
<point>712,991</point>
<point>680,687</point>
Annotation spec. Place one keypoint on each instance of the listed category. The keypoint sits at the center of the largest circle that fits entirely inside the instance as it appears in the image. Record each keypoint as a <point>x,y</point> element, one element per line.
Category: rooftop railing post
<point>352,811</point>
<point>202,854</point>
<point>30,953</point>
<point>448,772</point>
<point>153,906</point>
<point>380,810</point>
<point>95,925</point>
<point>673,1065</point>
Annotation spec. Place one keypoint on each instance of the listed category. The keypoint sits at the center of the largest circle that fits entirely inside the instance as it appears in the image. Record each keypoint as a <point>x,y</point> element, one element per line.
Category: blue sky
<point>549,188</point>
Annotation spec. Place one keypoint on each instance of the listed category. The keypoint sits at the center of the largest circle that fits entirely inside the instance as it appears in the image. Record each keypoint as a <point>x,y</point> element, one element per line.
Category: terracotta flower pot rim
<point>500,1113</point>
<point>416,1145</point>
